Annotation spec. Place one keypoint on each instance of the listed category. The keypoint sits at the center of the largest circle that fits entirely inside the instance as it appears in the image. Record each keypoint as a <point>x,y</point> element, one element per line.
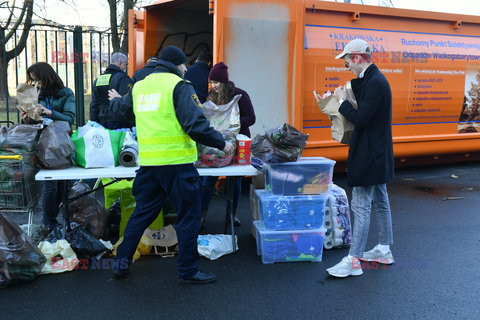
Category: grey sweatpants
<point>364,199</point>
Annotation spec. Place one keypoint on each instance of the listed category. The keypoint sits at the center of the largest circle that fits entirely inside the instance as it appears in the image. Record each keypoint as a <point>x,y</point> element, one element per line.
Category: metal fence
<point>78,56</point>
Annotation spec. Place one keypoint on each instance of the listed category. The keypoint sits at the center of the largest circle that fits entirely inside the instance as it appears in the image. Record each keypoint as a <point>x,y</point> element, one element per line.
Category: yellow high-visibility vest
<point>161,138</point>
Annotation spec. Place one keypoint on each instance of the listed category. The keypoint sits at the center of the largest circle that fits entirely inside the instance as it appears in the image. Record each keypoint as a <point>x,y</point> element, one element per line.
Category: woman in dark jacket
<point>58,103</point>
<point>222,91</point>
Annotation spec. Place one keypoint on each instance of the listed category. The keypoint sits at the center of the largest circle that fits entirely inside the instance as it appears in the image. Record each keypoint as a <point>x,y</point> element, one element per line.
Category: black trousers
<point>151,186</point>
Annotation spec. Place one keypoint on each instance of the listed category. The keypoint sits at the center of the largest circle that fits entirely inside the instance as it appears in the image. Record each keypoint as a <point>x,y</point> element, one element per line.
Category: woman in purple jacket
<point>222,91</point>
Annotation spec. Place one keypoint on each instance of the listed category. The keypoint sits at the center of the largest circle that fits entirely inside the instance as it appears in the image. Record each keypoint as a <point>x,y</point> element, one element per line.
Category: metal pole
<point>16,70</point>
<point>5,70</point>
<point>91,62</point>
<point>78,75</point>
<point>56,50</point>
<point>36,47</point>
<point>66,59</point>
<point>46,46</point>
<point>100,50</point>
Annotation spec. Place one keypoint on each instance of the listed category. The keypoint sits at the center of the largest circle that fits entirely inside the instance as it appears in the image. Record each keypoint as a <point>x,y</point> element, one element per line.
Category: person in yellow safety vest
<point>169,121</point>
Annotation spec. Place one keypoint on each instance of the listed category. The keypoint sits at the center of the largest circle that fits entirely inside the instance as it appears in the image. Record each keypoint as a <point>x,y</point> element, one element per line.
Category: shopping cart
<point>18,190</point>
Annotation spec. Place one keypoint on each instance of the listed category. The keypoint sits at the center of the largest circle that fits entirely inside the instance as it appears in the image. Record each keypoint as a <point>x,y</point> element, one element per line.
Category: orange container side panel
<point>279,51</point>
<point>432,66</point>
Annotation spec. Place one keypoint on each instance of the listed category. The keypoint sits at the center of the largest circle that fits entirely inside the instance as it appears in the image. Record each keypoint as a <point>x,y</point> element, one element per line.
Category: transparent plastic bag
<point>87,210</point>
<point>225,119</point>
<point>22,136</point>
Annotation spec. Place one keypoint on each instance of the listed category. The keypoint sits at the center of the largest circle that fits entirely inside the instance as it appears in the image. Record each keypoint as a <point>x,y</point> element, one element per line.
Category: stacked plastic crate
<point>291,210</point>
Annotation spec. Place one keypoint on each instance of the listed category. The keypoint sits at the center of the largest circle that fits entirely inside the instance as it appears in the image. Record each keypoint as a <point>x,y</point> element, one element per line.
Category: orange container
<point>279,51</point>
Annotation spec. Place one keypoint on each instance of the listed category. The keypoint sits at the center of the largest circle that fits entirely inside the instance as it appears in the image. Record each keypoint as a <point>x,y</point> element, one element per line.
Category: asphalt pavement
<point>436,274</point>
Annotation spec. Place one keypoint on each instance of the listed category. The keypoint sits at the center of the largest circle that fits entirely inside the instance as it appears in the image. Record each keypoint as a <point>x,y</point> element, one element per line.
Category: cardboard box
<point>258,181</point>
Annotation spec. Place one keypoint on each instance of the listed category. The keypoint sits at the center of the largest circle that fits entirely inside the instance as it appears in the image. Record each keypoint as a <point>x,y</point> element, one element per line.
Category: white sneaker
<point>376,255</point>
<point>347,267</point>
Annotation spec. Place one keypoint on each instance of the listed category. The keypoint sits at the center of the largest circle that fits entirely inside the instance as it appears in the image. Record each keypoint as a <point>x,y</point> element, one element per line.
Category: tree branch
<point>26,29</point>
<point>19,20</point>
<point>11,14</point>
<point>113,24</point>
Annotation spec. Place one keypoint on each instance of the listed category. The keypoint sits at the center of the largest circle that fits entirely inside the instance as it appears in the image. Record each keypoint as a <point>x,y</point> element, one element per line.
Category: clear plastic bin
<point>289,246</point>
<point>291,212</point>
<point>305,176</point>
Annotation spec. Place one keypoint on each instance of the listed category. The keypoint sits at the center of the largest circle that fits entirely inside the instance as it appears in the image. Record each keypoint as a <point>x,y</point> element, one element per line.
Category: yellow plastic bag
<point>144,247</point>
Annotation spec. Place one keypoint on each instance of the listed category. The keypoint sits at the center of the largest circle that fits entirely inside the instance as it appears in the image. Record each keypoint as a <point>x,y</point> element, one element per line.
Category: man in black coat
<point>198,75</point>
<point>114,78</point>
<point>140,74</point>
<point>370,158</point>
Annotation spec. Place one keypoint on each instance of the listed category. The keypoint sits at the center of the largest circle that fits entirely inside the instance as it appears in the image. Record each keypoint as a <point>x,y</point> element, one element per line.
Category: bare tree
<point>120,30</point>
<point>19,18</point>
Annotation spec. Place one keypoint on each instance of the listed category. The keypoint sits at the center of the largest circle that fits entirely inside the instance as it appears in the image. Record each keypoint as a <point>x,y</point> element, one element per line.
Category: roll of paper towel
<point>128,156</point>
<point>327,220</point>
<point>328,240</point>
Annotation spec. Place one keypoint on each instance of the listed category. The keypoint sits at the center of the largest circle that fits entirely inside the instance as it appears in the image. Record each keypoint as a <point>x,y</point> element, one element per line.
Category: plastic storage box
<point>289,246</point>
<point>305,176</point>
<point>290,212</point>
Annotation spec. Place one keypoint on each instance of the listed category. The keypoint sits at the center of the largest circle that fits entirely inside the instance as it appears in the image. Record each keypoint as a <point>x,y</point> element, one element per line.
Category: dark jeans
<point>208,184</point>
<point>52,193</point>
<point>150,188</point>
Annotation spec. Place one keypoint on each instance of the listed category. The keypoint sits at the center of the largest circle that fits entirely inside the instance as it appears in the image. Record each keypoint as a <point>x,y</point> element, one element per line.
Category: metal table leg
<point>229,214</point>
<point>66,219</point>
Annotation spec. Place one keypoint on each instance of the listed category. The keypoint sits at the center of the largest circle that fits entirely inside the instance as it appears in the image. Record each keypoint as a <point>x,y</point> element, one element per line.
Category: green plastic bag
<point>97,147</point>
<point>123,190</point>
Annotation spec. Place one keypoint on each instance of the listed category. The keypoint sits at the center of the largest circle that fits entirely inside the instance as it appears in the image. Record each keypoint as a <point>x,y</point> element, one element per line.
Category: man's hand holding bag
<point>329,104</point>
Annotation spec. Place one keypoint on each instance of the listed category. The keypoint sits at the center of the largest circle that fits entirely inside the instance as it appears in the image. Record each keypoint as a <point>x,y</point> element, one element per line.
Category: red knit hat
<point>219,73</point>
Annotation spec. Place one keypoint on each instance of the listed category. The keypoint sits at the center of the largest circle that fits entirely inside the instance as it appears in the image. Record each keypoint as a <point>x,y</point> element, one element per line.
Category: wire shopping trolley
<point>18,189</point>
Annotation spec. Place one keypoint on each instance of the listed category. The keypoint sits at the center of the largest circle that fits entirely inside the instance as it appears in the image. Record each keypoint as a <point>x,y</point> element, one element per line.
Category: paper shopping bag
<point>341,128</point>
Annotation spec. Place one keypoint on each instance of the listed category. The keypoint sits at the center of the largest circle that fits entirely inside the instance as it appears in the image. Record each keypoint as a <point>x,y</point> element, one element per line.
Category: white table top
<point>129,172</point>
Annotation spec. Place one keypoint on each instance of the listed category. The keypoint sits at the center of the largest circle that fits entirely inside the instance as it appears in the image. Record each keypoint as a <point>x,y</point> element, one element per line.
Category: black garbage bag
<point>87,210</point>
<point>113,223</point>
<point>82,242</point>
<point>281,144</point>
<point>55,148</point>
<point>20,259</point>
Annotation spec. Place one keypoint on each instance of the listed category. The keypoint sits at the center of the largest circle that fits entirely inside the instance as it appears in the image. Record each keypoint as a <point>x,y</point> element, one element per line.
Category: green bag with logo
<point>97,147</point>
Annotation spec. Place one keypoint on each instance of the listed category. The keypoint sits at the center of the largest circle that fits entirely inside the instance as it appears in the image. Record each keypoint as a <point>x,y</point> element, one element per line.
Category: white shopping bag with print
<point>213,246</point>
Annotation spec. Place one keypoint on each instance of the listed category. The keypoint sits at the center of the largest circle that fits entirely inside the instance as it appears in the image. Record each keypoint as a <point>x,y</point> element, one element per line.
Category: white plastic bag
<point>61,248</point>
<point>213,246</point>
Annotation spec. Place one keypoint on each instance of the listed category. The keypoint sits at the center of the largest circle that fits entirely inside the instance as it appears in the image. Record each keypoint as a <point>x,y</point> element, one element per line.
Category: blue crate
<point>290,212</point>
<point>305,176</point>
<point>289,246</point>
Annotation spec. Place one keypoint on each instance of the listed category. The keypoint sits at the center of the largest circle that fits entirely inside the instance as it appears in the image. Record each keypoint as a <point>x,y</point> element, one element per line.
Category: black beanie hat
<point>174,55</point>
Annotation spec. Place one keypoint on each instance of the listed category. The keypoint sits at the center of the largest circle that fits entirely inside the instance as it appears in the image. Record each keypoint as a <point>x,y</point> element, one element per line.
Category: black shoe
<point>199,278</point>
<point>121,273</point>
<point>236,222</point>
